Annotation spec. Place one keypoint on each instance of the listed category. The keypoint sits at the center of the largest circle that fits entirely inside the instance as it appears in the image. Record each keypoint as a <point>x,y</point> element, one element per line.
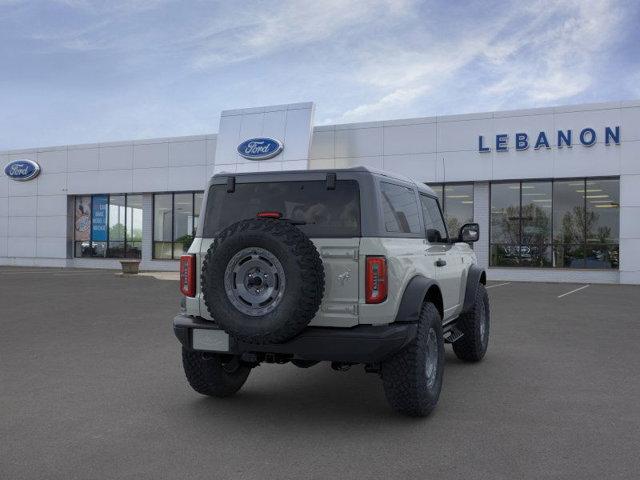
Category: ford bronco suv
<point>350,266</point>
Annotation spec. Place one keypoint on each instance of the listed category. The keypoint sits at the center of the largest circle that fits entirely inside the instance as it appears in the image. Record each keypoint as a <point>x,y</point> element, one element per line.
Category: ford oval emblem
<point>260,148</point>
<point>22,170</point>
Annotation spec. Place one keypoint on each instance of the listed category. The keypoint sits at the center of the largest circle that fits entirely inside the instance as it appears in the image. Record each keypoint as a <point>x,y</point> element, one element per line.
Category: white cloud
<point>543,52</point>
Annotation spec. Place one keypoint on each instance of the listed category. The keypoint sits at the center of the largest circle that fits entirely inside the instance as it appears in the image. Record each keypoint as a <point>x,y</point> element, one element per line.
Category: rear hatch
<point>328,215</point>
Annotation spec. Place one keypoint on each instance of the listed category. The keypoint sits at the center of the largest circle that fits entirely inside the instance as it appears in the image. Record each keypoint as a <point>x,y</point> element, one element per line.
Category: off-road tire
<point>474,342</point>
<point>404,375</point>
<point>303,271</point>
<point>214,375</point>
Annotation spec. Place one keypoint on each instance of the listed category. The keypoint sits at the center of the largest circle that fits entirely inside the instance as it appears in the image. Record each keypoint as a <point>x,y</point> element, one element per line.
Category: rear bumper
<point>360,344</point>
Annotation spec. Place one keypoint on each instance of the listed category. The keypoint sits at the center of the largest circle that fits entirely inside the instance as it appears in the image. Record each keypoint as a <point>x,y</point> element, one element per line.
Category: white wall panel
<point>22,206</point>
<point>228,140</point>
<point>52,226</point>
<point>84,182</point>
<point>581,161</point>
<point>463,135</point>
<point>150,180</point>
<point>83,159</point>
<point>420,167</point>
<point>115,181</point>
<point>358,142</point>
<point>22,189</point>
<point>51,247</point>
<point>4,206</point>
<point>630,124</point>
<point>52,161</point>
<point>22,227</point>
<point>151,155</point>
<point>371,162</point>
<point>187,178</point>
<point>4,227</point>
<point>630,191</point>
<point>21,246</point>
<point>52,183</point>
<point>462,166</point>
<point>297,135</point>
<point>322,144</point>
<point>420,138</point>
<point>117,157</point>
<point>188,153</point>
<point>51,205</point>
<point>630,157</point>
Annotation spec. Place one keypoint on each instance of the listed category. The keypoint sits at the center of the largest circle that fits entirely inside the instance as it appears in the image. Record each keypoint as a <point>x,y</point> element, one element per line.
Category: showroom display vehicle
<point>350,266</point>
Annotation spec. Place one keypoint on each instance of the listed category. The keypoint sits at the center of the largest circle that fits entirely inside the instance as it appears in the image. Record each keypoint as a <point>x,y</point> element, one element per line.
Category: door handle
<point>440,262</point>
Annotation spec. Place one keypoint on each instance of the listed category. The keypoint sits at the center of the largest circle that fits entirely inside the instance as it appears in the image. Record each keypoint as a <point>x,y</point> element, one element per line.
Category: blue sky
<point>77,71</point>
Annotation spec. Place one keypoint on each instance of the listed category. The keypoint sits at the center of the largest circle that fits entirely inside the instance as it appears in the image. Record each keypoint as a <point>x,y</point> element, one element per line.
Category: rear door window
<point>319,211</point>
<point>400,208</point>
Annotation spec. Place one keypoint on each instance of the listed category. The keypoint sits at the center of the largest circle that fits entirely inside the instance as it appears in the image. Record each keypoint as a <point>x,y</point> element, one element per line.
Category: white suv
<point>349,266</point>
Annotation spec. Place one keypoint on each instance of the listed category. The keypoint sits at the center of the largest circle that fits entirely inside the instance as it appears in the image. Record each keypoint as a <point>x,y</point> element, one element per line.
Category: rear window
<point>325,213</point>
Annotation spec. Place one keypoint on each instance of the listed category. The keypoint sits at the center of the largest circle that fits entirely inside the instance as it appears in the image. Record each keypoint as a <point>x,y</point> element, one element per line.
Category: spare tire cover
<point>262,280</point>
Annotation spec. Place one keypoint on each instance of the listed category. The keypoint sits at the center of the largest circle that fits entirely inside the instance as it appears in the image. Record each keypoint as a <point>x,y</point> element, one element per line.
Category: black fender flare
<point>413,297</point>
<point>475,277</point>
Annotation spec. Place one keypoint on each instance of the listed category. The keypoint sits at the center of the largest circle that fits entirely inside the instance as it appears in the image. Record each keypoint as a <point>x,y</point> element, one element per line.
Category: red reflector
<point>269,215</point>
<point>188,275</point>
<point>376,280</point>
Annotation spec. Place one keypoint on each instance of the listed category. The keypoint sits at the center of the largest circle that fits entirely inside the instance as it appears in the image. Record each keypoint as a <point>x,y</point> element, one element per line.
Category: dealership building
<point>556,190</point>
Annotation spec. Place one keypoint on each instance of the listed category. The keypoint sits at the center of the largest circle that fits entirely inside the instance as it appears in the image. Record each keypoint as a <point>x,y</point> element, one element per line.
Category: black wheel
<point>412,378</point>
<point>262,280</point>
<point>475,326</point>
<point>213,374</point>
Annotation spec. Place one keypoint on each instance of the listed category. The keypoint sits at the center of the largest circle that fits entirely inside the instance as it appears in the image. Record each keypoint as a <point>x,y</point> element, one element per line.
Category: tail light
<point>269,215</point>
<point>188,275</point>
<point>376,280</point>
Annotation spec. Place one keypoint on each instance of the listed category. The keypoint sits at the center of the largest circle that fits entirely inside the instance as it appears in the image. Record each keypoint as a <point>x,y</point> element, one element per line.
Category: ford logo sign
<point>260,148</point>
<point>22,170</point>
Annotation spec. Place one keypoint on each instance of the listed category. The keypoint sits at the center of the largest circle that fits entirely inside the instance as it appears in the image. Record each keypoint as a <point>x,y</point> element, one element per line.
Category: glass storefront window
<point>182,223</point>
<point>563,224</point>
<point>175,220</point>
<point>108,226</point>
<point>134,226</point>
<point>456,201</point>
<point>458,206</point>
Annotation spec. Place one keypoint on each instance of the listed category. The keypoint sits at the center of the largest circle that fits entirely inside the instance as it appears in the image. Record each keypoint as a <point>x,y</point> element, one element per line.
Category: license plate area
<point>210,340</point>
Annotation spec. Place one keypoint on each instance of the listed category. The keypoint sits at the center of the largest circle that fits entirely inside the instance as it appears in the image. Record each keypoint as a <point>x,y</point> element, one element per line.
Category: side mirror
<point>469,233</point>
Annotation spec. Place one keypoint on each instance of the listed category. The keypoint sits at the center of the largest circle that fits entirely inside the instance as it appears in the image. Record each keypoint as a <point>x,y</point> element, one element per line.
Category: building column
<point>629,229</point>
<point>481,215</point>
<point>147,227</point>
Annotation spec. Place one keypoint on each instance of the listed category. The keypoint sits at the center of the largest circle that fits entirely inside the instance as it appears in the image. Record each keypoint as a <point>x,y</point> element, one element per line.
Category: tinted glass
<point>117,220</point>
<point>568,212</point>
<point>134,226</point>
<point>505,213</point>
<point>197,207</point>
<point>603,211</point>
<point>400,208</point>
<point>162,217</point>
<point>458,206</point>
<point>434,223</point>
<point>536,224</point>
<point>321,212</point>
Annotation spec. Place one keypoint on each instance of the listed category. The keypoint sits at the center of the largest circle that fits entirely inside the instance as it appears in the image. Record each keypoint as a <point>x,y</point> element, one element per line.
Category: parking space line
<point>498,285</point>
<point>573,291</point>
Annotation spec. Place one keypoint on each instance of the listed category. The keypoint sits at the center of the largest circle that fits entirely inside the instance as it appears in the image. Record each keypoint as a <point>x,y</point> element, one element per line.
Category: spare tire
<point>262,280</point>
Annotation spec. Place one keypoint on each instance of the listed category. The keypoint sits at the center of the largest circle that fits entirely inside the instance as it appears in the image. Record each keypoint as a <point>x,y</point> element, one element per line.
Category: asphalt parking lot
<point>91,386</point>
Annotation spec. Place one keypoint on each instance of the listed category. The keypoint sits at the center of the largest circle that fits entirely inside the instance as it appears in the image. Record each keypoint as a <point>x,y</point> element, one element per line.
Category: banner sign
<point>99,218</point>
<point>83,219</point>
